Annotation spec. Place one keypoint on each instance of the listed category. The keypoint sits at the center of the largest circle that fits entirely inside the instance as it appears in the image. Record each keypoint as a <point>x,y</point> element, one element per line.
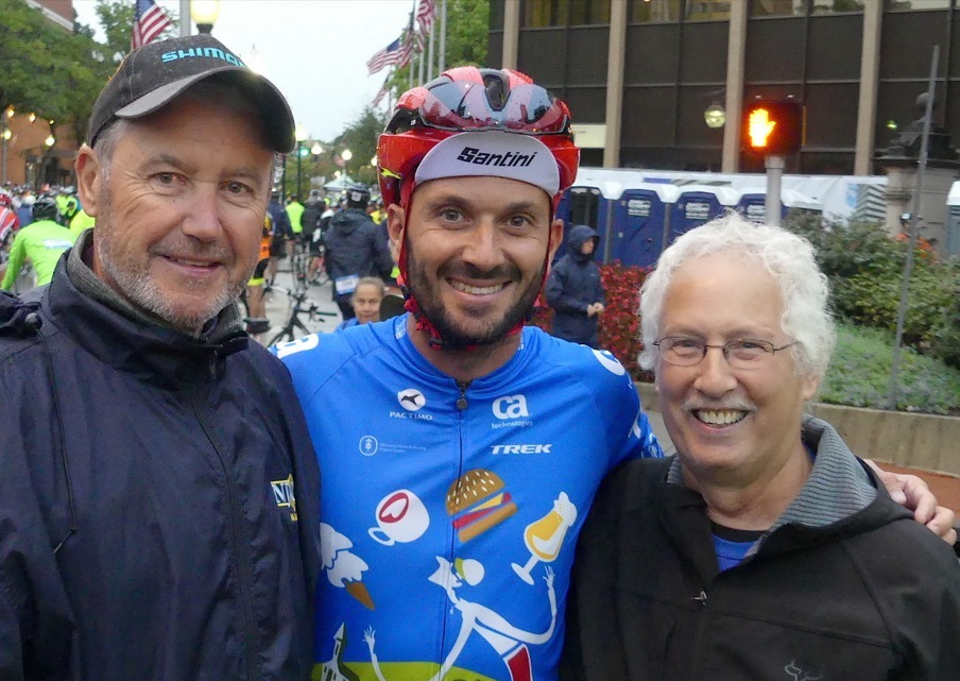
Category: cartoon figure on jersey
<point>509,641</point>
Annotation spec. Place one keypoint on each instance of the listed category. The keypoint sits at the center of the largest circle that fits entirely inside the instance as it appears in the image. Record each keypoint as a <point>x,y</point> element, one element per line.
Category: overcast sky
<point>315,51</point>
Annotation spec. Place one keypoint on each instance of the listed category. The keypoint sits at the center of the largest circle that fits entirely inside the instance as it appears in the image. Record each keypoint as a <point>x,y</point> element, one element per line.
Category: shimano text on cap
<point>157,73</point>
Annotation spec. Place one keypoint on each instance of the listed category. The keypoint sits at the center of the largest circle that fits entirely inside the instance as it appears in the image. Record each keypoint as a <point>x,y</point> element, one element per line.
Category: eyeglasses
<point>740,353</point>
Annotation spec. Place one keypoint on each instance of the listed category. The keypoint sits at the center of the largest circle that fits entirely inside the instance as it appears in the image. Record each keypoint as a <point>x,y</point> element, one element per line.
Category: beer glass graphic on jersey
<point>544,537</point>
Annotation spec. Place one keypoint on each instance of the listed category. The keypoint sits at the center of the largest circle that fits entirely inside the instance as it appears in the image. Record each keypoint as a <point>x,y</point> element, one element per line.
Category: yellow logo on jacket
<point>283,493</point>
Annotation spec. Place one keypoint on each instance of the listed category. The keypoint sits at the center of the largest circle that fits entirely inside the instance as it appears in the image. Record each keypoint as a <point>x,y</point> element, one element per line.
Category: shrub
<point>865,268</point>
<point>620,323</point>
<point>859,375</point>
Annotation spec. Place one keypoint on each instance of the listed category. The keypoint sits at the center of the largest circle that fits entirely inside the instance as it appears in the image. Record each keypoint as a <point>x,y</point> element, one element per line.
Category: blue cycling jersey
<point>450,511</point>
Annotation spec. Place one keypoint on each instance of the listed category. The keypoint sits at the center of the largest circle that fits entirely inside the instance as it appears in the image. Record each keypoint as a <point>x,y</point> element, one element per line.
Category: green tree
<point>360,137</point>
<point>47,70</point>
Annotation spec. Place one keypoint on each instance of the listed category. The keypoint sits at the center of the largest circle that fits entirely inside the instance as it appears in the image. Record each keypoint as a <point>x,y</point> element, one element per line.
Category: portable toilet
<point>752,204</point>
<point>951,245</point>
<point>639,218</point>
<point>591,201</point>
<point>696,204</point>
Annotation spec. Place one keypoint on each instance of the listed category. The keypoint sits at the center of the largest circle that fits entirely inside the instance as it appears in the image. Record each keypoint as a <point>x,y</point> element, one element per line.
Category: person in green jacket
<point>295,213</point>
<point>42,242</point>
<point>81,221</point>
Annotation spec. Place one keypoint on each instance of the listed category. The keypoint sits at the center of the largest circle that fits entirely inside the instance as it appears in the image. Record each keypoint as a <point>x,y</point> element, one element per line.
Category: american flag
<point>388,55</point>
<point>425,12</point>
<point>150,21</point>
<point>398,52</point>
<point>382,93</point>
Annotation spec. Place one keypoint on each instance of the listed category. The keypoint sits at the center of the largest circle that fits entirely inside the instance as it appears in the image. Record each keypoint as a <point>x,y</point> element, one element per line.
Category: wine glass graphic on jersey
<point>544,537</point>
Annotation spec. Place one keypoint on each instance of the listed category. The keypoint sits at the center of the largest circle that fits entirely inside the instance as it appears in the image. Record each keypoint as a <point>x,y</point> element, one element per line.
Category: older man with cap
<point>764,549</point>
<point>158,501</point>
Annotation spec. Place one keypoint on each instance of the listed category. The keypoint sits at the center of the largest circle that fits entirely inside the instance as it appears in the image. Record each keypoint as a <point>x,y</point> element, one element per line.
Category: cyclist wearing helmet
<point>451,508</point>
<point>42,242</point>
<point>356,247</point>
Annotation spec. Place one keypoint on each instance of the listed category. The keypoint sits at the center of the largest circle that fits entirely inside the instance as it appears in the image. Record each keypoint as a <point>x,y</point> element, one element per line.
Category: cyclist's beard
<point>486,331</point>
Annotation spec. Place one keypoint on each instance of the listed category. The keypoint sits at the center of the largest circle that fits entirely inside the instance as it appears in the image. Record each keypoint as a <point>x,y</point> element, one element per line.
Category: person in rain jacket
<point>574,289</point>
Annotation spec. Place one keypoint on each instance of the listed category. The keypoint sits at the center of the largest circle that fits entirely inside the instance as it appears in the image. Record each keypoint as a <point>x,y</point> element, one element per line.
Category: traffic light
<point>772,128</point>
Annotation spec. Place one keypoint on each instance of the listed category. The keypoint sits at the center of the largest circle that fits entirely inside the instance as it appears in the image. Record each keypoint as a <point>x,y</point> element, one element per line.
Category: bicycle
<point>294,327</point>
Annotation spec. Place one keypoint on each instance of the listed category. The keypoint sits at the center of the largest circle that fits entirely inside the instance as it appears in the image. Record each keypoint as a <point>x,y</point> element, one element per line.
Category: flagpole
<point>184,18</point>
<point>430,58</point>
<point>442,60</point>
<point>423,68</point>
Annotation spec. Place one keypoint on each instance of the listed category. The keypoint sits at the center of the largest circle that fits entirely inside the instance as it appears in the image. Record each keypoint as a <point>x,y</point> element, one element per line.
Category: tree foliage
<point>47,70</point>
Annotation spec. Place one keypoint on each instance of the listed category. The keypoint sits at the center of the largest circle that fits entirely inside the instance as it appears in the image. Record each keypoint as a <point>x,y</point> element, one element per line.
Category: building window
<point>708,10</point>
<point>905,5</point>
<point>588,12</point>
<point>654,11</point>
<point>837,6</point>
<point>542,13</point>
<point>777,8</point>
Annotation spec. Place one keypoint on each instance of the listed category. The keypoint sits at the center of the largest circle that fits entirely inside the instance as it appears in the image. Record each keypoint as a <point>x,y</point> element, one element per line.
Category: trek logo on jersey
<point>194,52</point>
<point>521,449</point>
<point>412,400</point>
<point>283,493</point>
<point>512,412</point>
<point>510,159</point>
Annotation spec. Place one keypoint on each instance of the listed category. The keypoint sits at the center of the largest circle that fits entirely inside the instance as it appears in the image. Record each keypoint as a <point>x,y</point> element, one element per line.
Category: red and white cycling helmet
<point>471,100</point>
<point>474,122</point>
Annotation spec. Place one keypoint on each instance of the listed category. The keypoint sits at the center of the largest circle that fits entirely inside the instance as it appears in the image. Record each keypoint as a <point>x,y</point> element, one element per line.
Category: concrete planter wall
<point>922,441</point>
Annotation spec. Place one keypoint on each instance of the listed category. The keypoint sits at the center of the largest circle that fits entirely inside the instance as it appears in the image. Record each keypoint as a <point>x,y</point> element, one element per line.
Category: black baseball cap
<point>152,76</point>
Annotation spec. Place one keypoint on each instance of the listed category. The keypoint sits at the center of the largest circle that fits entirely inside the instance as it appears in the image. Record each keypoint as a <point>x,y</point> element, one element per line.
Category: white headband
<point>492,153</point>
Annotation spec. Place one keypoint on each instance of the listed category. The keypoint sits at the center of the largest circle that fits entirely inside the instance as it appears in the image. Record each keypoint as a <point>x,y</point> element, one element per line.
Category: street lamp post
<point>5,136</point>
<point>346,156</point>
<point>301,135</point>
<point>205,14</point>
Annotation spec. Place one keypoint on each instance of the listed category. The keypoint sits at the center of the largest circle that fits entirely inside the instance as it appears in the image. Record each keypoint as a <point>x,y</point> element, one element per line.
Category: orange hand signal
<point>760,127</point>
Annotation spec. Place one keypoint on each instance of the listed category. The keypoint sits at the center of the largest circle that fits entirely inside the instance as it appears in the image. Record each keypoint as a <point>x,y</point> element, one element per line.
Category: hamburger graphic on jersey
<point>477,501</point>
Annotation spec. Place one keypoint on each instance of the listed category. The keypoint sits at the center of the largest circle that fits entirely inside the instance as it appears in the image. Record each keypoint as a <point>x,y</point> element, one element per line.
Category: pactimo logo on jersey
<point>512,412</point>
<point>413,401</point>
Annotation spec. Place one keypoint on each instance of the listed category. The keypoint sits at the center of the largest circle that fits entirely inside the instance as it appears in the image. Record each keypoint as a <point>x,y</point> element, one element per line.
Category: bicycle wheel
<point>285,336</point>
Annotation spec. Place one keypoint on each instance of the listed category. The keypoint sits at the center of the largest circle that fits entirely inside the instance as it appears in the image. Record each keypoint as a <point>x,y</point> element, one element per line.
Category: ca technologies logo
<point>511,411</point>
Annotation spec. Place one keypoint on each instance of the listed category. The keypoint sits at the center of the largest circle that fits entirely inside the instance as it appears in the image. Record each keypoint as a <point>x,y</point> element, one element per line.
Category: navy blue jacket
<point>573,285</point>
<point>356,245</point>
<point>158,501</point>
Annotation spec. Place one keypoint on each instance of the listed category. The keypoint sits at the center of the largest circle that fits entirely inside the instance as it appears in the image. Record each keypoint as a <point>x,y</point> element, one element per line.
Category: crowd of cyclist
<point>35,229</point>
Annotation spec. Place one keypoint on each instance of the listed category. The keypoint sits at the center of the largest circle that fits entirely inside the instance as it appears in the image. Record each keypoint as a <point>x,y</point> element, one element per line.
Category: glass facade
<point>654,11</point>
<point>546,13</point>
<point>675,61</point>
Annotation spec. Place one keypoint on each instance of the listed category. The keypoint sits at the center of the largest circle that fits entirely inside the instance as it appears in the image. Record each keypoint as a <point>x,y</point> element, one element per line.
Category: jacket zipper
<point>243,569</point>
<point>701,600</point>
